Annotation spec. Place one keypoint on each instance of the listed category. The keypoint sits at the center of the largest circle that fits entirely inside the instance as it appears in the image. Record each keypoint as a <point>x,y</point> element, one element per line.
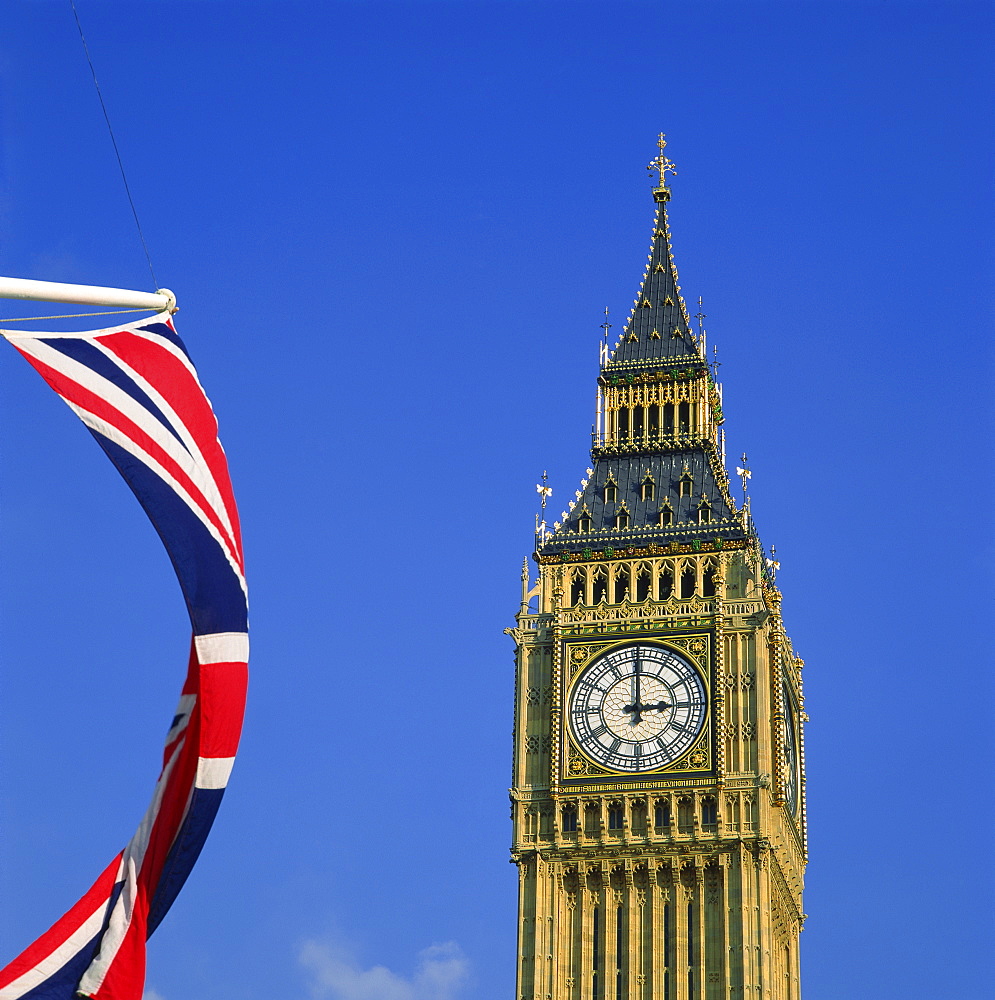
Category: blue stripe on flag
<point>213,592</point>
<point>204,804</point>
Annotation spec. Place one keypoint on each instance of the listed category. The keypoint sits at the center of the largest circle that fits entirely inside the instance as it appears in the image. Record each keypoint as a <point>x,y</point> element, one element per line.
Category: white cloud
<point>441,974</point>
<point>151,994</point>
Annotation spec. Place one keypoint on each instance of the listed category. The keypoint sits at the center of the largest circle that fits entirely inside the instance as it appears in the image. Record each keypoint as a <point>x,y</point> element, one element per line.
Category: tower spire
<point>659,327</point>
<point>659,475</point>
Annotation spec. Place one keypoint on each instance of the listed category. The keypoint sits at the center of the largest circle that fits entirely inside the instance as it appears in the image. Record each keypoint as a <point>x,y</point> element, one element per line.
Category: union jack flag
<point>137,391</point>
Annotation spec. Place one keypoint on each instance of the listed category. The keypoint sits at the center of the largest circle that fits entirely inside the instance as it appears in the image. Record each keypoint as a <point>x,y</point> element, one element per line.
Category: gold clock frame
<point>579,652</point>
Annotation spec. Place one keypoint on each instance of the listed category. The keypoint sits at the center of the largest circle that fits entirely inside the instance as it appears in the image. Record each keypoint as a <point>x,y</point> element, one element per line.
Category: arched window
<point>668,419</point>
<point>687,485</point>
<point>622,519</point>
<point>615,816</point>
<point>661,814</point>
<point>637,423</point>
<point>665,516</point>
<point>685,815</point>
<point>709,812</point>
<point>708,582</point>
<point>611,491</point>
<point>664,585</point>
<point>704,512</point>
<point>591,818</point>
<point>621,586</point>
<point>577,588</point>
<point>647,490</point>
<point>584,522</point>
<point>643,584</point>
<point>623,424</point>
<point>688,582</point>
<point>569,818</point>
<point>600,586</point>
<point>653,420</point>
<point>684,418</point>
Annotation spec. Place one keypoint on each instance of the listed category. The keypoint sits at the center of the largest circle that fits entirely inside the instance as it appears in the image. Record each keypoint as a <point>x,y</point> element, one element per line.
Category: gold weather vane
<point>544,491</point>
<point>700,317</point>
<point>744,473</point>
<point>662,163</point>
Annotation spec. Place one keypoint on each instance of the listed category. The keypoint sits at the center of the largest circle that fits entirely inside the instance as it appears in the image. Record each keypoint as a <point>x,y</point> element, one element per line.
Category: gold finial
<point>661,163</point>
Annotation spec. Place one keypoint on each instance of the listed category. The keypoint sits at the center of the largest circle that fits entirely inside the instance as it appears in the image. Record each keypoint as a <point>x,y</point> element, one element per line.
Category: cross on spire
<point>661,163</point>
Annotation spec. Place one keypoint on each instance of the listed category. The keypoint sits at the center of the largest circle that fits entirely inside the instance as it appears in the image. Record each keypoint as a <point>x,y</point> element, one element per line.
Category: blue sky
<point>393,229</point>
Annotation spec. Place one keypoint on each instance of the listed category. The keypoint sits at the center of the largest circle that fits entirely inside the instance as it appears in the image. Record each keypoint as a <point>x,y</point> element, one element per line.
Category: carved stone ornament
<point>697,646</point>
<point>578,767</point>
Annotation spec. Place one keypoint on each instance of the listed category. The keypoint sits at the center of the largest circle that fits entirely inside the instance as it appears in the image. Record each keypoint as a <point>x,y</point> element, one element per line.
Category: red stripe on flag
<point>222,706</point>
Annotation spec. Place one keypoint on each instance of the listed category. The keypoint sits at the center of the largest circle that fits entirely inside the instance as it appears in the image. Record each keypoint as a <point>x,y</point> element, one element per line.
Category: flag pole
<point>86,295</point>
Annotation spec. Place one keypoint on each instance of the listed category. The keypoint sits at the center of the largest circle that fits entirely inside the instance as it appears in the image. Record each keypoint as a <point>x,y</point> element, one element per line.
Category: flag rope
<point>105,312</point>
<point>117,152</point>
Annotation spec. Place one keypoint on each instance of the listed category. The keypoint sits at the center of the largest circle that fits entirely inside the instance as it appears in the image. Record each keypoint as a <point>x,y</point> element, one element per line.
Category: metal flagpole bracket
<point>162,300</point>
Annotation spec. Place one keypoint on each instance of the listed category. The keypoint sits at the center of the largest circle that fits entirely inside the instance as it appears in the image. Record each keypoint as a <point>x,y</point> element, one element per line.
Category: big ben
<point>658,798</point>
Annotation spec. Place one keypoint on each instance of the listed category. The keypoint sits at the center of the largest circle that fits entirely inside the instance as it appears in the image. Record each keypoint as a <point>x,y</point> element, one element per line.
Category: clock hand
<point>637,707</point>
<point>635,685</point>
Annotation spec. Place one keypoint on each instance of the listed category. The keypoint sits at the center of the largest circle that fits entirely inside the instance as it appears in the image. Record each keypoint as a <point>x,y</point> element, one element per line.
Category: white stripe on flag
<point>117,929</point>
<point>222,647</point>
<point>213,772</point>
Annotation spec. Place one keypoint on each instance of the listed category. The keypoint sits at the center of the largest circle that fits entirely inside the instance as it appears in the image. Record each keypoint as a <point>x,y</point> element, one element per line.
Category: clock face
<point>637,708</point>
<point>790,755</point>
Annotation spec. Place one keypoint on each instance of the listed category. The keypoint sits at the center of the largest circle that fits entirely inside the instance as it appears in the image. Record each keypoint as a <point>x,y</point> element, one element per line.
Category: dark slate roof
<point>658,329</point>
<point>628,473</point>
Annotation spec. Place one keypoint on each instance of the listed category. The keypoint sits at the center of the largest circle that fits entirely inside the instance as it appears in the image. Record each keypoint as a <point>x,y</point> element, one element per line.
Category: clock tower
<point>658,797</point>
